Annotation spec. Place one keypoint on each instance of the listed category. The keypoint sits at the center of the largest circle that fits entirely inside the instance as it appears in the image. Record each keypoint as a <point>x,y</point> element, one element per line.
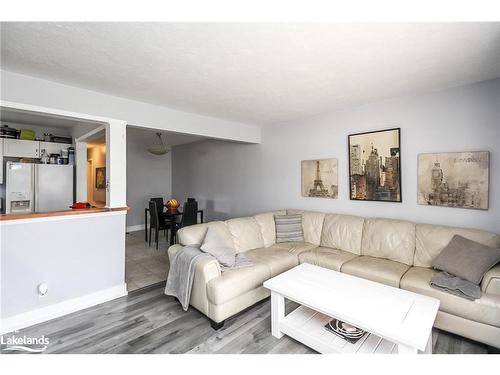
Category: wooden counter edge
<point>8,217</point>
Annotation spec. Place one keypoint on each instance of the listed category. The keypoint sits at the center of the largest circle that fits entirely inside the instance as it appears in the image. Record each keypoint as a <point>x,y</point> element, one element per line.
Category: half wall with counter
<point>54,264</point>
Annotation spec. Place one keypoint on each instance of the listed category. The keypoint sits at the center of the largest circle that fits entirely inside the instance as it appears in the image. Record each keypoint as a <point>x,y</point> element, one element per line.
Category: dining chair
<point>156,223</point>
<point>159,206</point>
<point>189,213</point>
<point>189,217</point>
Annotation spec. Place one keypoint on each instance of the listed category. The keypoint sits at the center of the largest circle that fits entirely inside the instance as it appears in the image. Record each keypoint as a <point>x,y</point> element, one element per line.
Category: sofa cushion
<point>278,260</point>
<point>267,226</point>
<point>326,257</point>
<point>312,224</point>
<point>219,247</point>
<point>194,235</point>
<point>389,239</point>
<point>294,247</point>
<point>246,234</point>
<point>343,232</point>
<point>466,259</point>
<point>234,283</point>
<point>484,310</point>
<point>381,270</point>
<point>431,239</point>
<point>289,228</point>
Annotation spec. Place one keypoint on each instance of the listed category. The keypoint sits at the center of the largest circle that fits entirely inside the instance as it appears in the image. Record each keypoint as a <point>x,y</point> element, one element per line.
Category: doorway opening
<point>96,170</point>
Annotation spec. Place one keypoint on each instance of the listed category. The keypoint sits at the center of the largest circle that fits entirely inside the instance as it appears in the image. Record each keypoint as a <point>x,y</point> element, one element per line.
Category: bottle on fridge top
<point>44,157</point>
<point>71,155</point>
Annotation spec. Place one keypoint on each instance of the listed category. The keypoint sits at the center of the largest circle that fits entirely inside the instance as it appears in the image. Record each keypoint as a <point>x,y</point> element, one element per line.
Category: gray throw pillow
<point>289,228</point>
<point>219,247</point>
<point>466,259</point>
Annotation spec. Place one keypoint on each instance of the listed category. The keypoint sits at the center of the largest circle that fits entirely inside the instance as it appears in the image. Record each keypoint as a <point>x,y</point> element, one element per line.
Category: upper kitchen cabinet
<point>53,147</point>
<point>18,148</point>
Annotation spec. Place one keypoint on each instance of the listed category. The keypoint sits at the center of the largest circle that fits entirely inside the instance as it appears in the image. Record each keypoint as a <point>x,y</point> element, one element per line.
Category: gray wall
<point>231,179</point>
<point>147,175</point>
<point>75,256</point>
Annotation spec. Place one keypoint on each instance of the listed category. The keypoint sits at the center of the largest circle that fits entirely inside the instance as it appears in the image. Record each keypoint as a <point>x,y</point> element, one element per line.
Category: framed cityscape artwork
<point>375,166</point>
<point>454,179</point>
<point>320,178</point>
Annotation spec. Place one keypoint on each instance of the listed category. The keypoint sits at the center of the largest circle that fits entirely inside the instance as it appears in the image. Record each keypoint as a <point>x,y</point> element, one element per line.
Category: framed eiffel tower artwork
<point>320,178</point>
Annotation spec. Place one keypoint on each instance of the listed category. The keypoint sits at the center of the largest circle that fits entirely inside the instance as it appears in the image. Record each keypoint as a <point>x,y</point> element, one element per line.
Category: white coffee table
<point>396,320</point>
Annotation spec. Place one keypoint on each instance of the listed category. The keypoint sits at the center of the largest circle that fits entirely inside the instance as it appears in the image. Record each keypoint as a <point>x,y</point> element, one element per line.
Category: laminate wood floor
<point>147,321</point>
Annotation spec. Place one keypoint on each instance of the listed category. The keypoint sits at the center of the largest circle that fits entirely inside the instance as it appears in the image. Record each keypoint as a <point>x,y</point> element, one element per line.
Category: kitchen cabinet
<point>18,148</point>
<point>52,147</point>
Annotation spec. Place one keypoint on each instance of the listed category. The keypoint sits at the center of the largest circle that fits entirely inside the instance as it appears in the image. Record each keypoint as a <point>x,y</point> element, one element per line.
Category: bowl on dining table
<point>172,204</point>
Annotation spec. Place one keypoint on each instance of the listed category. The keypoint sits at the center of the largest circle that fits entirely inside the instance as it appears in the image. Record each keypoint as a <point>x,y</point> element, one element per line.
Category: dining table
<point>170,215</point>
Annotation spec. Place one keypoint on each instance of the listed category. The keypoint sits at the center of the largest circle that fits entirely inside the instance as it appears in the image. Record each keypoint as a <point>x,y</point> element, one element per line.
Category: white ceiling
<point>169,138</point>
<point>43,119</point>
<point>146,137</point>
<point>13,116</point>
<point>256,73</point>
<point>97,139</point>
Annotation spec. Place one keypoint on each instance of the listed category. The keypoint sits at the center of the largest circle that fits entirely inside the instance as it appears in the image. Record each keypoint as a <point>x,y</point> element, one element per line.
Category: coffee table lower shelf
<point>308,327</point>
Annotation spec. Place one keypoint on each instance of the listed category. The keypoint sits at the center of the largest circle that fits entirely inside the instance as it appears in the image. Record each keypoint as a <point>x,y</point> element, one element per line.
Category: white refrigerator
<point>38,187</point>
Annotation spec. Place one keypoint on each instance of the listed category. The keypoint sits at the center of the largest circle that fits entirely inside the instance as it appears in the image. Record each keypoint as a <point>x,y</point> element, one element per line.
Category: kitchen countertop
<point>93,210</point>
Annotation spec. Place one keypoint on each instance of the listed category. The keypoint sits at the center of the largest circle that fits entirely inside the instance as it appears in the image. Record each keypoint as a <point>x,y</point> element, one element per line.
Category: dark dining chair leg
<point>156,237</point>
<point>150,236</point>
<point>146,225</point>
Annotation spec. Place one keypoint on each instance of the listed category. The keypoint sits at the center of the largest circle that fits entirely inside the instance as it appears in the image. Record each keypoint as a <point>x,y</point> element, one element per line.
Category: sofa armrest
<point>206,267</point>
<point>491,281</point>
<point>172,250</point>
<point>206,270</point>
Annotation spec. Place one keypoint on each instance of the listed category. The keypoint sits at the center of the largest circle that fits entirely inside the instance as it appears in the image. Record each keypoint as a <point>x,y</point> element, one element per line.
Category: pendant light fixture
<point>158,147</point>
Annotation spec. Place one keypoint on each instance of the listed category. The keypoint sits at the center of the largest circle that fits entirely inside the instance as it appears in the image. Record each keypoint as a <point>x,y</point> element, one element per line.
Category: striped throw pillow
<point>289,228</point>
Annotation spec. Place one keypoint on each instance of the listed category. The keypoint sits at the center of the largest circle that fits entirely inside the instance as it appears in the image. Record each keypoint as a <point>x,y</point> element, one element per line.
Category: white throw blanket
<point>181,274</point>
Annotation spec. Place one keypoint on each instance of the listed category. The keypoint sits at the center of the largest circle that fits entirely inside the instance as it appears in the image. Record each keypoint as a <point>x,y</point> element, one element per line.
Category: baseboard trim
<point>134,228</point>
<point>57,310</point>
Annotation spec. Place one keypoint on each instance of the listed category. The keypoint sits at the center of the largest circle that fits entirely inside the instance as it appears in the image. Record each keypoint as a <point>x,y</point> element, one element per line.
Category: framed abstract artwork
<point>375,166</point>
<point>100,178</point>
<point>454,179</point>
<point>320,178</point>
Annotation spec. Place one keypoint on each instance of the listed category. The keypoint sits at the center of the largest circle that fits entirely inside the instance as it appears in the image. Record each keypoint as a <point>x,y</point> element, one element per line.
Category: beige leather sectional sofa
<point>393,252</point>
